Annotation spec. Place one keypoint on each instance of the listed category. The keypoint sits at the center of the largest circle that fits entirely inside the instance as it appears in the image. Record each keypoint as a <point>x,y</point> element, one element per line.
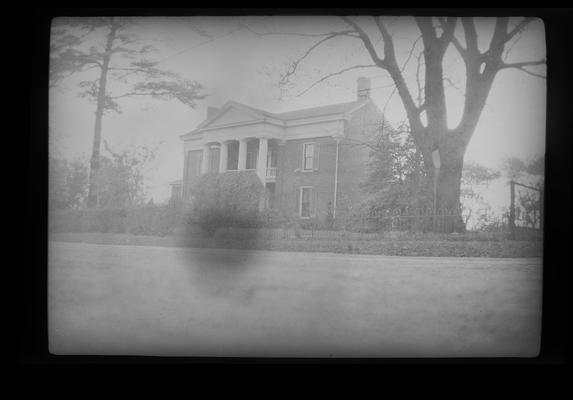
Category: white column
<point>262,159</point>
<point>242,154</point>
<point>205,160</point>
<point>223,153</point>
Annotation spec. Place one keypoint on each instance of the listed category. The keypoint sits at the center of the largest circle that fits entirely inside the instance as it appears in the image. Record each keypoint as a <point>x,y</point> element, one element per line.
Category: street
<point>169,301</point>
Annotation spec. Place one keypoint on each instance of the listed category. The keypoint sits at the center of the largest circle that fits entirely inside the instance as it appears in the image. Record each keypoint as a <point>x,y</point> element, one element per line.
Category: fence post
<point>512,210</point>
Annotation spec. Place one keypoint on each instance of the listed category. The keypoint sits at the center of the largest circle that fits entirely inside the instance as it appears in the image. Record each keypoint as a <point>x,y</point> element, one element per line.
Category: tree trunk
<point>92,200</point>
<point>95,158</point>
<point>448,196</point>
<point>451,148</point>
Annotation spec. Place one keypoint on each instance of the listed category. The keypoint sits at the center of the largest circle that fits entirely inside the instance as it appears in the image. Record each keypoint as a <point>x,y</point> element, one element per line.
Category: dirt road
<point>136,300</point>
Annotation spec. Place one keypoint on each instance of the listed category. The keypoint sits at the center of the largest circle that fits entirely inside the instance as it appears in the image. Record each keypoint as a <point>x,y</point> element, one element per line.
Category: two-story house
<point>308,160</point>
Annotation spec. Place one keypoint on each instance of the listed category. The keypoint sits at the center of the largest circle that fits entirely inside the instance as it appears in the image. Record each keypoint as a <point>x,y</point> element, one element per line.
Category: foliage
<point>528,202</point>
<point>529,171</point>
<point>396,178</point>
<point>231,199</point>
<point>120,180</point>
<point>155,220</point>
<point>121,176</point>
<point>427,108</point>
<point>68,183</point>
<point>475,179</point>
<point>148,219</point>
<point>87,220</point>
<point>117,53</point>
<point>109,46</point>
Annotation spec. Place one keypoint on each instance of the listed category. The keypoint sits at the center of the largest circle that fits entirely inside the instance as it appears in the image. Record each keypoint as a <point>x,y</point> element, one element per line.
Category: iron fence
<point>526,209</point>
<point>395,223</point>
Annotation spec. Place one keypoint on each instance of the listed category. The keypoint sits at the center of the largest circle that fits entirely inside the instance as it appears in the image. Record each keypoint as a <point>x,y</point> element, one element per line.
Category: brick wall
<point>354,154</point>
<point>291,177</point>
<point>352,167</point>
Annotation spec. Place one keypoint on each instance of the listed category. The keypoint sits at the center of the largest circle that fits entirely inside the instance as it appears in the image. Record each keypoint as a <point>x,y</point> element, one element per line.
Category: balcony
<point>271,174</point>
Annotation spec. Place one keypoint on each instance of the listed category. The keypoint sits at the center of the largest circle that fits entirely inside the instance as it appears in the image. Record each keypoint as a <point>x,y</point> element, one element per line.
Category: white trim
<point>316,120</point>
<point>300,201</point>
<point>234,124</point>
<point>335,179</point>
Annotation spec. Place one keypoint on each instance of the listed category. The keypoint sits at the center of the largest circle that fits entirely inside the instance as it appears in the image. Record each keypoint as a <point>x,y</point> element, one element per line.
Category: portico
<point>258,154</point>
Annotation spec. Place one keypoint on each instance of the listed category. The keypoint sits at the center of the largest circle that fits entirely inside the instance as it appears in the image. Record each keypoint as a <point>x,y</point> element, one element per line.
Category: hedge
<point>143,220</point>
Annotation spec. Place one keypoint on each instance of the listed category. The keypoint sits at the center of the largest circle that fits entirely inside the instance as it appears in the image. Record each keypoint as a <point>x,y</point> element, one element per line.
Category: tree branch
<point>410,53</point>
<point>334,74</point>
<point>296,63</point>
<point>523,64</point>
<point>418,83</point>
<point>143,71</point>
<point>347,32</point>
<point>448,26</point>
<point>520,66</point>
<point>470,34</point>
<point>141,94</point>
<point>519,27</point>
<point>452,84</point>
<point>367,43</point>
<point>459,47</point>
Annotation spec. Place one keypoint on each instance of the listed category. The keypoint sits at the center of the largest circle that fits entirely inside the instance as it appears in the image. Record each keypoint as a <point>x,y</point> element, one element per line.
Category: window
<point>233,156</point>
<point>307,156</point>
<point>214,160</point>
<point>252,154</point>
<point>305,201</point>
<point>251,159</point>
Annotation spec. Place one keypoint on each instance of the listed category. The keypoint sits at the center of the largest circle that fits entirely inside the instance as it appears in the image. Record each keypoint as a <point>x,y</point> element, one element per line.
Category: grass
<point>428,245</point>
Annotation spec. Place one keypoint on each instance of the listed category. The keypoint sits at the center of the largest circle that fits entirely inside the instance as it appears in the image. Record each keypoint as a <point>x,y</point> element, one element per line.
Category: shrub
<point>231,199</point>
<point>158,220</point>
<point>149,219</point>
<point>88,220</point>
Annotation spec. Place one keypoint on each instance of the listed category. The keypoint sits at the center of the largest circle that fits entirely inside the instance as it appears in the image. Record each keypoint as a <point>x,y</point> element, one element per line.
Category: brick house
<point>310,160</point>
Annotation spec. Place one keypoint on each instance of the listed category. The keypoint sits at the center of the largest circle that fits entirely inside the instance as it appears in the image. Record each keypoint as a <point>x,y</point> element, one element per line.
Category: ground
<point>427,245</point>
<point>145,300</point>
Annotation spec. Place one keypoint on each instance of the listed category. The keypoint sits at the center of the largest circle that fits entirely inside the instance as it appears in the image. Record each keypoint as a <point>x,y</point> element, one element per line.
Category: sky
<point>236,61</point>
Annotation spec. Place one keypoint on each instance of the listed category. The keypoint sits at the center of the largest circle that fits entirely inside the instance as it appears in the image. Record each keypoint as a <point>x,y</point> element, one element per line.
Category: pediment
<point>233,114</point>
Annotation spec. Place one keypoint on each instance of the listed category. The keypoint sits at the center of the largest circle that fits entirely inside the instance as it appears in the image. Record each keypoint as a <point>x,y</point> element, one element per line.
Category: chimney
<point>363,88</point>
<point>211,111</point>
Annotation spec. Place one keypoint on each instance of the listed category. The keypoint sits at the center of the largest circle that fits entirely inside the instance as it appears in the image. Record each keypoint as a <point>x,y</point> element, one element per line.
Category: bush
<point>225,200</point>
<point>149,219</point>
<point>154,220</point>
<point>88,220</point>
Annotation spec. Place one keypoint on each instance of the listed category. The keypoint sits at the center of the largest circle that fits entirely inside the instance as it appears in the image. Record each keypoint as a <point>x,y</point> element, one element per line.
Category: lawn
<point>145,300</point>
<point>427,245</point>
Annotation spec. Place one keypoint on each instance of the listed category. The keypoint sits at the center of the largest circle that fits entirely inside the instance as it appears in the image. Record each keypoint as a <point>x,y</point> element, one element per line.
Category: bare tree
<point>427,112</point>
<point>123,58</point>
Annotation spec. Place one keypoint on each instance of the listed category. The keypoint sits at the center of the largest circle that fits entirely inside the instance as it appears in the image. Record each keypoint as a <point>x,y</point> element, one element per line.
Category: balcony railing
<point>271,172</point>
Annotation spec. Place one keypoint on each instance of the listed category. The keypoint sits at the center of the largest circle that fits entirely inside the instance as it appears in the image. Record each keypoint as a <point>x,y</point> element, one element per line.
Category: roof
<point>331,109</point>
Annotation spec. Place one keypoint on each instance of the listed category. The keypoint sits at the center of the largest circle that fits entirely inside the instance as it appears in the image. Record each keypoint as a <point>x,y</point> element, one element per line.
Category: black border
<point>33,272</point>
